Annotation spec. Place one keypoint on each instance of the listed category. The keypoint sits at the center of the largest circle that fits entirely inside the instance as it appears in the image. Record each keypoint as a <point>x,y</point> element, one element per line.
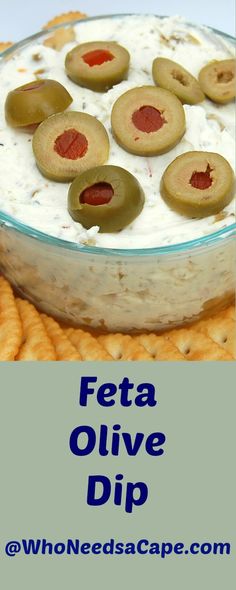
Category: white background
<point>20,18</point>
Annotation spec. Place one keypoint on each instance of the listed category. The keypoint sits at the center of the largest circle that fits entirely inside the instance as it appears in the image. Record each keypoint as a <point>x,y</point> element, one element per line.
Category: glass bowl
<point>147,289</point>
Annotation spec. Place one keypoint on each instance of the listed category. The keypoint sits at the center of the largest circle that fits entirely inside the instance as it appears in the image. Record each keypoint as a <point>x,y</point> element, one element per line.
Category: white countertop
<point>18,20</point>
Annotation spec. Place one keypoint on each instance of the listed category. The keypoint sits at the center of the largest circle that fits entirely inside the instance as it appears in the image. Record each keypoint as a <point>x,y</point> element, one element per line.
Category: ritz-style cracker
<point>64,35</point>
<point>36,344</point>
<point>160,348</point>
<point>65,350</point>
<point>66,17</point>
<point>221,329</point>
<point>88,346</point>
<point>197,346</point>
<point>123,347</point>
<point>5,45</point>
<point>10,323</point>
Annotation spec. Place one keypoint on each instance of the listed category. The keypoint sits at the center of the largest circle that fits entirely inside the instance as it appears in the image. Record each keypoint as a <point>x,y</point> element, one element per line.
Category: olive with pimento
<point>107,196</point>
<point>31,103</point>
<point>198,184</point>
<point>148,121</point>
<point>97,65</point>
<point>66,144</point>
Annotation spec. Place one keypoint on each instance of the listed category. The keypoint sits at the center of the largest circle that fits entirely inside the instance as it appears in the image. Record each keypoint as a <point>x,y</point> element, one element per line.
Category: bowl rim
<point>11,222</point>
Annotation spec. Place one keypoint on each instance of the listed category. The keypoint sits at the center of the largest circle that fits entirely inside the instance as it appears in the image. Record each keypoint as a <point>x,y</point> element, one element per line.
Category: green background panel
<point>191,487</point>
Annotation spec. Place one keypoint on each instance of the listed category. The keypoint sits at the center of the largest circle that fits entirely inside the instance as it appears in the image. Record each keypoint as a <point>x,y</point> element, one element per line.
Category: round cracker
<point>65,350</point>
<point>123,347</point>
<point>60,38</point>
<point>10,323</point>
<point>4,45</point>
<point>36,344</point>
<point>66,17</point>
<point>88,346</point>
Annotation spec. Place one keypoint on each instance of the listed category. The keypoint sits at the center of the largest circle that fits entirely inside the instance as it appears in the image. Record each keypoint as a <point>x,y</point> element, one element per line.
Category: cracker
<point>10,323</point>
<point>66,17</point>
<point>60,38</point>
<point>4,45</point>
<point>196,346</point>
<point>88,347</point>
<point>230,312</point>
<point>36,344</point>
<point>160,348</point>
<point>65,350</point>
<point>221,329</point>
<point>122,347</point>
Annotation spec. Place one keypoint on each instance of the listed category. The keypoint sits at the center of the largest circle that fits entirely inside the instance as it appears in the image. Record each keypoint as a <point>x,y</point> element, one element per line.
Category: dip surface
<point>42,204</point>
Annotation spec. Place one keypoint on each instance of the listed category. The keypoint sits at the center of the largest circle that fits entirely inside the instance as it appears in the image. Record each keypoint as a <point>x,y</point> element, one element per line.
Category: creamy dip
<point>42,204</point>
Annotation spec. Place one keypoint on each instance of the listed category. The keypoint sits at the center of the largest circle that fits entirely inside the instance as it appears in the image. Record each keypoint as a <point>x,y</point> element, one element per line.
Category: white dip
<point>26,195</point>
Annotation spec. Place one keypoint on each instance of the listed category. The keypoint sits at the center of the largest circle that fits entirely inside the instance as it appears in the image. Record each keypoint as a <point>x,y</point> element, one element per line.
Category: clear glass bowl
<point>115,289</point>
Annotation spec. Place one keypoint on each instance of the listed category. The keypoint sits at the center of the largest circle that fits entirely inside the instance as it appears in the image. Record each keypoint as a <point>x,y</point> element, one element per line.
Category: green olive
<point>68,143</point>
<point>148,121</point>
<point>170,75</point>
<point>198,184</point>
<point>35,101</point>
<point>97,65</point>
<point>107,196</point>
<point>217,80</point>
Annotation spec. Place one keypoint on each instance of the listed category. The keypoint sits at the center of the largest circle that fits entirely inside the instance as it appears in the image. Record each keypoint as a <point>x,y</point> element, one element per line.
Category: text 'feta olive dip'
<point>41,203</point>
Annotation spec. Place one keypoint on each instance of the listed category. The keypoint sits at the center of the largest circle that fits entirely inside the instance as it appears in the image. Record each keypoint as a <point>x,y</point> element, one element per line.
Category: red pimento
<point>71,144</point>
<point>32,86</point>
<point>97,57</point>
<point>100,193</point>
<point>201,180</point>
<point>148,119</point>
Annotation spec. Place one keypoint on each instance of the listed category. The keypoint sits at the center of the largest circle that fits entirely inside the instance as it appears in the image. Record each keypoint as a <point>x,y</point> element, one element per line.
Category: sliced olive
<point>217,80</point>
<point>198,184</point>
<point>66,144</point>
<point>107,196</point>
<point>35,101</point>
<point>172,76</point>
<point>97,65</point>
<point>148,121</point>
